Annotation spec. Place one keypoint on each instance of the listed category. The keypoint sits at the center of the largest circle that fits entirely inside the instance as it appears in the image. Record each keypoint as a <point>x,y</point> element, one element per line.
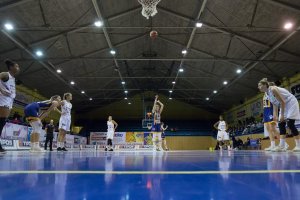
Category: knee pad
<point>2,123</point>
<point>282,128</point>
<point>109,142</point>
<point>291,125</point>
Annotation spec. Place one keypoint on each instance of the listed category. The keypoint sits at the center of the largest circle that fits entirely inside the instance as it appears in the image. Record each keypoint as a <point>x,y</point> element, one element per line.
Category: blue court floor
<point>87,175</point>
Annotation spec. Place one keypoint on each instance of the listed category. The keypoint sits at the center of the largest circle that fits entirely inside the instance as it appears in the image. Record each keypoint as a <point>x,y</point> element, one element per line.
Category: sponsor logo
<point>16,133</point>
<point>148,146</point>
<point>8,143</point>
<point>24,143</point>
<point>128,147</point>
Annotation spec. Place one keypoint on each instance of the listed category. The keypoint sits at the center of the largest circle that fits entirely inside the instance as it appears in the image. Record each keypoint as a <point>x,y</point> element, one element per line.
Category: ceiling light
<point>215,91</point>
<point>184,51</point>
<point>98,23</point>
<point>8,26</point>
<point>225,83</point>
<point>112,52</point>
<point>58,71</point>
<point>288,25</point>
<point>39,53</point>
<point>199,25</point>
<point>72,83</point>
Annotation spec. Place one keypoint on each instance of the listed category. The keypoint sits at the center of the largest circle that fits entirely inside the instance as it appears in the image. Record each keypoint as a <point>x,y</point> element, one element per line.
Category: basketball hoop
<point>149,7</point>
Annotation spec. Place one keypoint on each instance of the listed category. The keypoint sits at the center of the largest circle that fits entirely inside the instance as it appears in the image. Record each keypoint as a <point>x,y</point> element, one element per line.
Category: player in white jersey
<point>7,93</point>
<point>269,124</point>
<point>64,121</point>
<point>289,111</point>
<point>163,135</point>
<point>222,136</point>
<point>111,128</point>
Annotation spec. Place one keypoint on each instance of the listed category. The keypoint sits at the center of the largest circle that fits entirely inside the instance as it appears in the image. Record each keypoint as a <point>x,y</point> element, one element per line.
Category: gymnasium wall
<point>190,142</point>
<point>201,142</point>
<point>204,142</point>
<point>253,106</point>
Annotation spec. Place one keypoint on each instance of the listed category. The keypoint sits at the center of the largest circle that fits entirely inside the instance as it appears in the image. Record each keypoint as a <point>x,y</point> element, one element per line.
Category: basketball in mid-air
<point>153,34</point>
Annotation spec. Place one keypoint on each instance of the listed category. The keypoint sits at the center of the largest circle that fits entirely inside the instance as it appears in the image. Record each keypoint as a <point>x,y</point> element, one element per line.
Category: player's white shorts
<point>65,123</point>
<point>6,102</point>
<point>222,135</point>
<point>110,135</point>
<point>291,110</point>
<point>156,136</point>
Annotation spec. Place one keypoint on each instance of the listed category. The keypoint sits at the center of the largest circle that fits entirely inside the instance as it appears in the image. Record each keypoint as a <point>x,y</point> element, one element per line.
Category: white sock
<point>59,144</point>
<point>272,143</point>
<point>282,142</point>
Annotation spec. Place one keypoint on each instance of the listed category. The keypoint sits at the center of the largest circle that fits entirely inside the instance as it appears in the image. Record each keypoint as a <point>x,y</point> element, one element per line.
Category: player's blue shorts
<point>268,116</point>
<point>156,128</point>
<point>32,110</point>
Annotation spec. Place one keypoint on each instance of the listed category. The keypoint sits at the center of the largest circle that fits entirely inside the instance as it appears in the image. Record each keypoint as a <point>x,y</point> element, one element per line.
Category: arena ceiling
<point>236,34</point>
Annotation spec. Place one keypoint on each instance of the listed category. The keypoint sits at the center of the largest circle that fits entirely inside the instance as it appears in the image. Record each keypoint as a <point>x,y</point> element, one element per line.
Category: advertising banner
<point>119,138</point>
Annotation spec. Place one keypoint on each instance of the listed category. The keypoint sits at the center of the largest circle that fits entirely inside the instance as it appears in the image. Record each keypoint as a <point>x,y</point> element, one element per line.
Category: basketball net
<point>149,7</point>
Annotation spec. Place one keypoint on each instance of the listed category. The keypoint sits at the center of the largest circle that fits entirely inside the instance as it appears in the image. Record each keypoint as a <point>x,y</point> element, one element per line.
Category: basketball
<point>153,34</point>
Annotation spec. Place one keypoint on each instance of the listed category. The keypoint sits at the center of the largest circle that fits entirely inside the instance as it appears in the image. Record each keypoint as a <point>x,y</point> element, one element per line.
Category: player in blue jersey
<point>156,129</point>
<point>35,112</point>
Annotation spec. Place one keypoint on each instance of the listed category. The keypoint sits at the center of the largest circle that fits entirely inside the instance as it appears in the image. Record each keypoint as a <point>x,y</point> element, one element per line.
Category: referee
<point>49,134</point>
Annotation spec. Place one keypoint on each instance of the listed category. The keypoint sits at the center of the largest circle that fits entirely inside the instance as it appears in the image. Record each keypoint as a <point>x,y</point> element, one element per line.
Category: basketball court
<point>135,88</point>
<point>150,175</point>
